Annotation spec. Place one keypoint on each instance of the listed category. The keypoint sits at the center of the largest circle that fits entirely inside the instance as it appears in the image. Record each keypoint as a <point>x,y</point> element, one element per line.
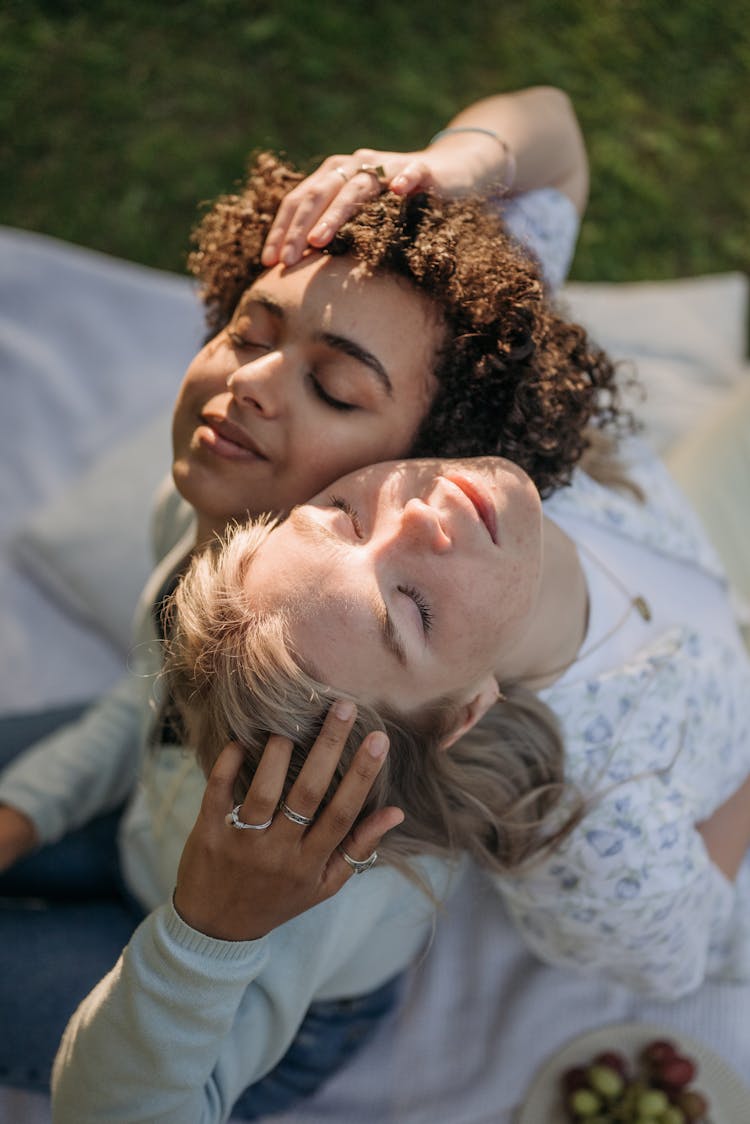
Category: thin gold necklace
<point>635,602</point>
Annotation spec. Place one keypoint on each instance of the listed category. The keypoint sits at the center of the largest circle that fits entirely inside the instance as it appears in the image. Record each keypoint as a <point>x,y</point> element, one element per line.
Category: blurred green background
<point>117,118</point>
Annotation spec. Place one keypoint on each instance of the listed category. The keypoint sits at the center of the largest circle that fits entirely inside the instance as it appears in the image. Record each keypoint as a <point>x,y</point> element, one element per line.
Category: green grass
<point>117,118</point>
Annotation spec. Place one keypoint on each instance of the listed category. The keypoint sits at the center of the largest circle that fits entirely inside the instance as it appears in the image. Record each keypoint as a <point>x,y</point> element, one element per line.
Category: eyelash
<point>425,611</point>
<point>346,507</point>
<point>241,343</point>
<point>334,403</point>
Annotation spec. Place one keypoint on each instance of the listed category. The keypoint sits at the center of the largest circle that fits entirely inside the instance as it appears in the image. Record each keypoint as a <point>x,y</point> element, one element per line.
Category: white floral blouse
<point>657,745</point>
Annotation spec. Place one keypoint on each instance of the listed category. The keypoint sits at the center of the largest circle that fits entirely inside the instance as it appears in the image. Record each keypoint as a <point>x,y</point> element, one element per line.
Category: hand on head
<point>315,209</point>
<point>238,885</point>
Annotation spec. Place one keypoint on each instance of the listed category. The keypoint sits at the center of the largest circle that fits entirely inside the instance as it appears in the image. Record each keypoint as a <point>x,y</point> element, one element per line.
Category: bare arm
<point>537,142</point>
<point>726,832</point>
<point>541,128</point>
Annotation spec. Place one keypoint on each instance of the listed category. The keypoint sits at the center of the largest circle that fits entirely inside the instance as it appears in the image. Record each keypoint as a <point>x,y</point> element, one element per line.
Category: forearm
<point>540,127</point>
<point>145,1044</point>
<point>726,832</point>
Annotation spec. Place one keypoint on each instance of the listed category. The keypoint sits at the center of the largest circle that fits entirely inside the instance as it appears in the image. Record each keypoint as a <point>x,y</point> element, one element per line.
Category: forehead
<point>342,296</point>
<point>307,575</point>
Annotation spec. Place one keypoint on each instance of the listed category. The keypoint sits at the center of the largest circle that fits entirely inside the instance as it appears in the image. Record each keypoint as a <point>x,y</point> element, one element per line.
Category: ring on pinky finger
<point>357,865</point>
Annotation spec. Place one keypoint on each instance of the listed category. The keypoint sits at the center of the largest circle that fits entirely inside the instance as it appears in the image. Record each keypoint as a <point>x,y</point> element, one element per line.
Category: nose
<point>259,384</point>
<point>421,523</point>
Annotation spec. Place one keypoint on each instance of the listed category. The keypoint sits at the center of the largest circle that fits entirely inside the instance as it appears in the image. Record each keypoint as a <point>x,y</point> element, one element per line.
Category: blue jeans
<point>331,1033</point>
<point>65,917</point>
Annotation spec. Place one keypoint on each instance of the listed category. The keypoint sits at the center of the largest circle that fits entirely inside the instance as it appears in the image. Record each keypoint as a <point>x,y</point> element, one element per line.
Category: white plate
<point>729,1098</point>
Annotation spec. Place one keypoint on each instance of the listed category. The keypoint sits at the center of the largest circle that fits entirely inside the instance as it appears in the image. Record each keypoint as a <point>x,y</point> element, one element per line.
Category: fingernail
<point>320,231</point>
<point>268,257</point>
<point>377,745</point>
<point>400,181</point>
<point>343,709</point>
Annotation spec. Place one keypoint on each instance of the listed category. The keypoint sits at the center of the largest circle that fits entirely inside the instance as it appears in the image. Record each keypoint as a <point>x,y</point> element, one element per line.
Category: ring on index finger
<point>233,820</point>
<point>343,173</point>
<point>376,170</point>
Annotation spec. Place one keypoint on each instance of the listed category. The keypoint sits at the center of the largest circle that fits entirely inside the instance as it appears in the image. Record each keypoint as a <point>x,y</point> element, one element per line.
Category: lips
<point>226,437</point>
<point>482,503</point>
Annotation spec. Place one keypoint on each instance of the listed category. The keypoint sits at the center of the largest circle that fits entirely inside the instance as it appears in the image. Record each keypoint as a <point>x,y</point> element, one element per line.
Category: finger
<point>413,177</point>
<point>263,796</point>
<point>360,845</point>
<point>301,209</point>
<point>217,798</point>
<point>337,819</point>
<point>315,776</point>
<point>362,188</point>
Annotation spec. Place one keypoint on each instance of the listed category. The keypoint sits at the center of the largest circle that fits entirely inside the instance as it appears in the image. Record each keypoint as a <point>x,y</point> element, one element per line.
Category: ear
<point>472,711</point>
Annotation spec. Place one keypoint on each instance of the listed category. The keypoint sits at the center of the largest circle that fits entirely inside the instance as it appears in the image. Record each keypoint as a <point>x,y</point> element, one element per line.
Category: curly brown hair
<point>514,377</point>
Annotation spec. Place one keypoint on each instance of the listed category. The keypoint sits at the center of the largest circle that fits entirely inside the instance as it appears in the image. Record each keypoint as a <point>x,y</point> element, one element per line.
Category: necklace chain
<point>635,602</point>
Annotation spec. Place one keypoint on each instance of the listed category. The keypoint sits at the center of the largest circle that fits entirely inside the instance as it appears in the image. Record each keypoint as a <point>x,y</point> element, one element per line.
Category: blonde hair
<point>231,674</point>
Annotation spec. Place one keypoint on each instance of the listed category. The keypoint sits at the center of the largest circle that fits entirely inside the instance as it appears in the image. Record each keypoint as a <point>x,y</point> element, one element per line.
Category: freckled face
<point>409,581</point>
<point>322,369</point>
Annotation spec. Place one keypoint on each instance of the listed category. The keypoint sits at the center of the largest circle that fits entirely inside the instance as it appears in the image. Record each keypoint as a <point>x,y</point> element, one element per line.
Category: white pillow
<point>686,339</point>
<point>90,550</point>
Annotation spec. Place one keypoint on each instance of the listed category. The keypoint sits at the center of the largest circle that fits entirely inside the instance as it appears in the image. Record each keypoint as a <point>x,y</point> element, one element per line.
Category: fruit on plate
<point>656,1089</point>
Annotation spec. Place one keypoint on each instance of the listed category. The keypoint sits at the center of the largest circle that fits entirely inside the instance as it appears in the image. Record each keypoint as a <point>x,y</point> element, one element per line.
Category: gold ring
<point>376,170</point>
<point>342,172</point>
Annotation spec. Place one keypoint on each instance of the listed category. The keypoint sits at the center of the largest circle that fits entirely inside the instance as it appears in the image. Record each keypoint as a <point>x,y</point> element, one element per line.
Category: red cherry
<point>658,1051</point>
<point>614,1061</point>
<point>677,1072</point>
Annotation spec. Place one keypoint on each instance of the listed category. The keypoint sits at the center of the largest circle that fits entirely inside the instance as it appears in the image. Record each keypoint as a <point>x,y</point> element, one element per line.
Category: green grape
<point>606,1081</point>
<point>653,1103</point>
<point>585,1103</point>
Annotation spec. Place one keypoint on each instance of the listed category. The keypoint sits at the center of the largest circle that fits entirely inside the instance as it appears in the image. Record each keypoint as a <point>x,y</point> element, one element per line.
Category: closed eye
<point>425,611</point>
<point>320,391</point>
<point>239,342</point>
<point>344,505</point>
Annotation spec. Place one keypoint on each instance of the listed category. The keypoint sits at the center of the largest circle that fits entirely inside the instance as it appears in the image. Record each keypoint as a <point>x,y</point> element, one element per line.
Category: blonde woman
<point>590,642</point>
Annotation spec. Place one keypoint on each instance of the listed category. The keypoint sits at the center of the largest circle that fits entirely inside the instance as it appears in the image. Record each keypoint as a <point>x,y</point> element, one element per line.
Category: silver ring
<point>233,820</point>
<point>357,866</point>
<point>342,172</point>
<point>295,817</point>
<point>376,170</point>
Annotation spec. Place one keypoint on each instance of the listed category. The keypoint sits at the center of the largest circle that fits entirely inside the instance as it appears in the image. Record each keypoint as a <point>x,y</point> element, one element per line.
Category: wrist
<point>508,167</point>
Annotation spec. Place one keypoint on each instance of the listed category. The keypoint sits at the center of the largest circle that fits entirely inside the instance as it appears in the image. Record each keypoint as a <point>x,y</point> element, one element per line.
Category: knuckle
<point>303,796</point>
<point>341,819</point>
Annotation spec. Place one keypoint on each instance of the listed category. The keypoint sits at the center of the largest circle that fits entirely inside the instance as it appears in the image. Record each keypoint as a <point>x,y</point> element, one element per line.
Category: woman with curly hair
<point>374,309</point>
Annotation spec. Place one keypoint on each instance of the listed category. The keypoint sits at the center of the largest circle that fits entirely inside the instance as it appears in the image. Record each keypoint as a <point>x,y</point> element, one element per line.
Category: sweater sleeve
<point>82,770</point>
<point>184,1023</point>
<point>632,893</point>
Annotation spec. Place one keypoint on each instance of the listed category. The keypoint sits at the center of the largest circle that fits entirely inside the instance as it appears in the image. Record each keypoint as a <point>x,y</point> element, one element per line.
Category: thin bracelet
<point>510,160</point>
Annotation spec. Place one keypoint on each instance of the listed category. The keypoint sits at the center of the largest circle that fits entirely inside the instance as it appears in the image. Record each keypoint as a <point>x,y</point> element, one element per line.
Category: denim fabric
<point>63,923</point>
<point>331,1033</point>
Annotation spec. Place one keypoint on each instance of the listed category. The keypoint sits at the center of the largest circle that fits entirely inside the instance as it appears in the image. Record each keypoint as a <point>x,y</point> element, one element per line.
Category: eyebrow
<point>343,344</point>
<point>315,532</point>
